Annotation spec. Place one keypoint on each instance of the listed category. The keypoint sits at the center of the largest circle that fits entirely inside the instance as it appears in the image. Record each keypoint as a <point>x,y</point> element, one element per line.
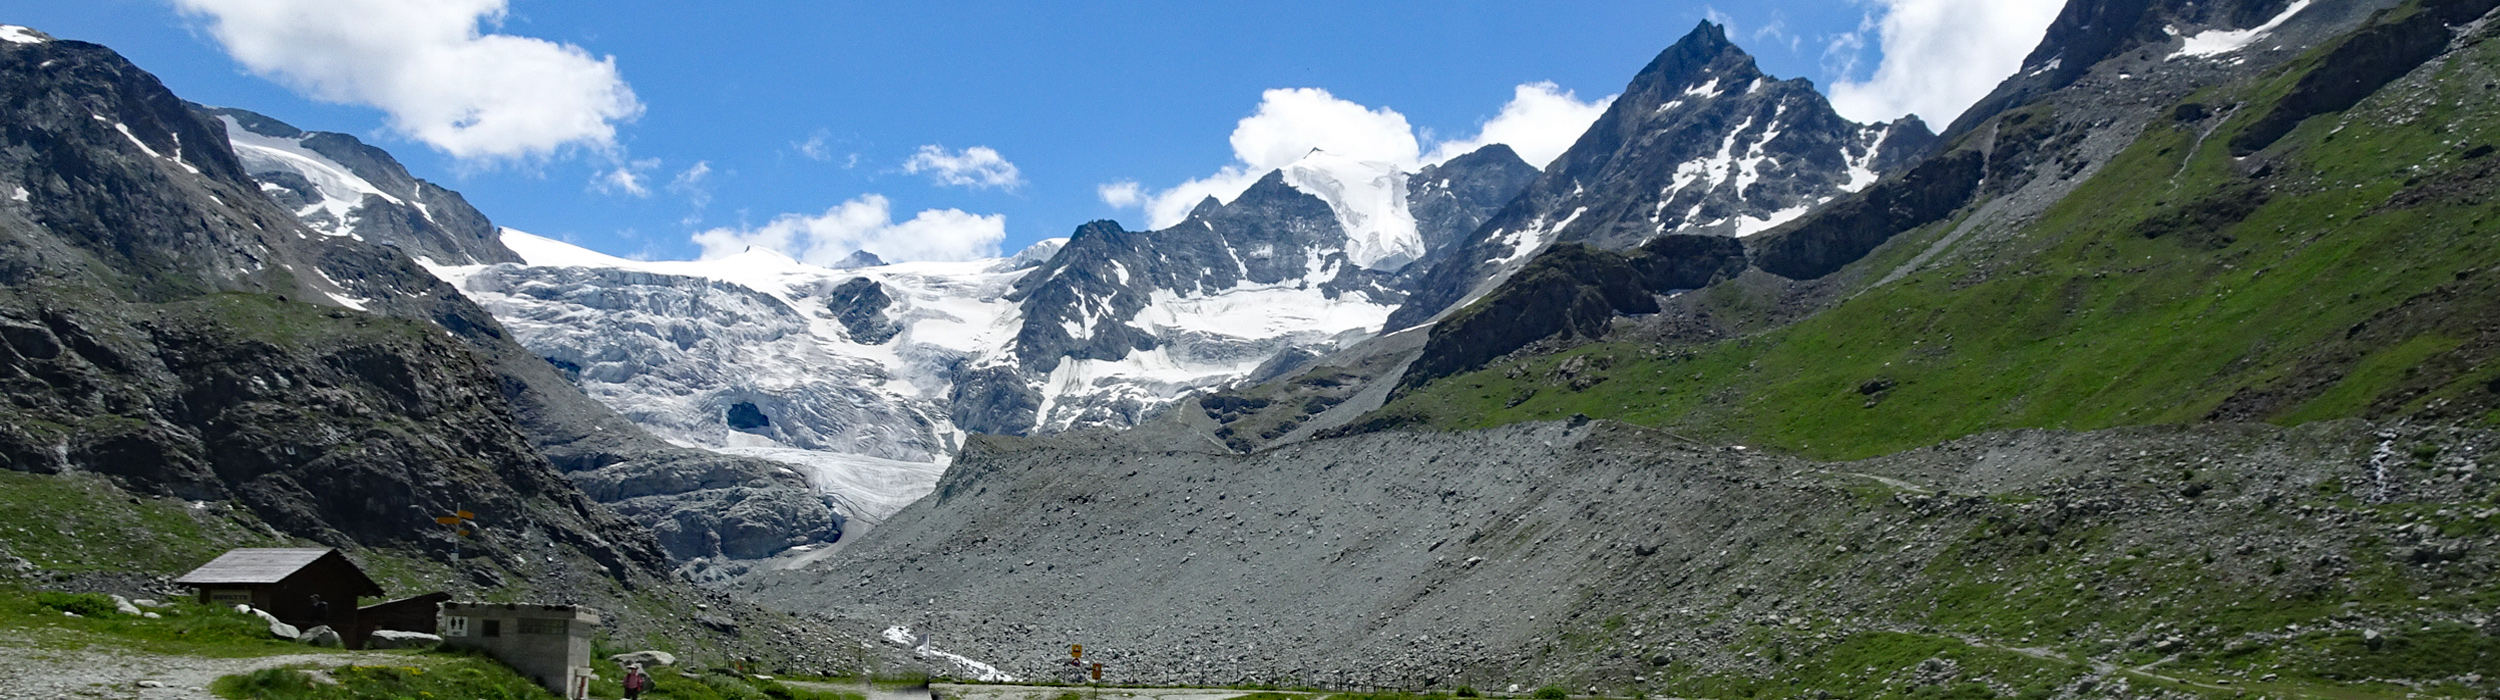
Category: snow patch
<point>21,35</point>
<point>863,488</point>
<point>2215,43</point>
<point>143,146</point>
<point>902,635</point>
<point>1747,226</point>
<point>1705,90</point>
<point>21,195</point>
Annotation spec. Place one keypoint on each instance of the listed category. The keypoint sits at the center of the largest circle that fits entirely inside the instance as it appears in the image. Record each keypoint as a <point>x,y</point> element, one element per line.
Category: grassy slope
<point>2083,322</point>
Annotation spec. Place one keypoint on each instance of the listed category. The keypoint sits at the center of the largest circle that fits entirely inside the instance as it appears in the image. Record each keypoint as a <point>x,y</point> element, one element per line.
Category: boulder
<point>277,629</point>
<point>396,639</point>
<point>321,636</point>
<point>648,659</point>
<point>122,605</point>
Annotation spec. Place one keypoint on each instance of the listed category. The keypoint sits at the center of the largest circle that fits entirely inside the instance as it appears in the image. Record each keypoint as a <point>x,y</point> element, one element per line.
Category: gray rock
<point>277,629</point>
<point>122,605</point>
<point>320,636</point>
<point>648,659</point>
<point>398,639</point>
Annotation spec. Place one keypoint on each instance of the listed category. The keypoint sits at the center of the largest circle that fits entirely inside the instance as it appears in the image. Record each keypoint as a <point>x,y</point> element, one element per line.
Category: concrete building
<point>549,644</point>
<point>287,582</point>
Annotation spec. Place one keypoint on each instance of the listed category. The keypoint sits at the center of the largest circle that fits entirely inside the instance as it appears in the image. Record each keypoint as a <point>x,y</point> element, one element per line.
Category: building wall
<point>547,644</point>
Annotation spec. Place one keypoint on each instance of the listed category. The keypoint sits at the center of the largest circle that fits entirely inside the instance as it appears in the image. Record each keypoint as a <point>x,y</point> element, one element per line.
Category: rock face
<point>1700,142</point>
<point>173,327</point>
<point>1574,291</point>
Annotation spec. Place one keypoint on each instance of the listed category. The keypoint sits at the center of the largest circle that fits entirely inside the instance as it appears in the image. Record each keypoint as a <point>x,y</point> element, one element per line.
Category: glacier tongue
<point>1370,199</point>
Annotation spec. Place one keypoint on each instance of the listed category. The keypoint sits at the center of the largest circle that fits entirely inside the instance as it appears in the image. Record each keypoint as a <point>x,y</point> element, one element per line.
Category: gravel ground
<point>1585,552</point>
<point>33,672</point>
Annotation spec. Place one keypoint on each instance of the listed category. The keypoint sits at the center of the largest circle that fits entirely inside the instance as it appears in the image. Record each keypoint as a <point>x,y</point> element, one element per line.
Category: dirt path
<point>29,671</point>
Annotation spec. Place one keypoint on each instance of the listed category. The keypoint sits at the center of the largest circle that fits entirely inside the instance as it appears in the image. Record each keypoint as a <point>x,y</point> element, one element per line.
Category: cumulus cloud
<point>1122,194</point>
<point>1941,55</point>
<point>432,71</point>
<point>865,223</point>
<point>1541,121</point>
<point>977,167</point>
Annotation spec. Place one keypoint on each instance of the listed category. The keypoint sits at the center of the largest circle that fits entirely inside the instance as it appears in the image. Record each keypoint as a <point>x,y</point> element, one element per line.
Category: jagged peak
<point>1701,56</point>
<point>1206,207</point>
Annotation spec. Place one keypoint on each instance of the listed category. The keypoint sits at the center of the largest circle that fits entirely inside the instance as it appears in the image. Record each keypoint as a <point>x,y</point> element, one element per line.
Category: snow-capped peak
<point>1369,198</point>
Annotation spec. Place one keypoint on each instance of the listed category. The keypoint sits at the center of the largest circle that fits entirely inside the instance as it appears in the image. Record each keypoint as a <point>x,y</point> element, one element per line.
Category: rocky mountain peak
<point>1700,142</point>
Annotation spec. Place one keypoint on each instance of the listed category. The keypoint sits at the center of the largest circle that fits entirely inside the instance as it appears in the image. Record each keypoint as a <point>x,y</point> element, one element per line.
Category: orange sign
<point>1097,671</point>
<point>467,515</point>
<point>448,520</point>
<point>1076,651</point>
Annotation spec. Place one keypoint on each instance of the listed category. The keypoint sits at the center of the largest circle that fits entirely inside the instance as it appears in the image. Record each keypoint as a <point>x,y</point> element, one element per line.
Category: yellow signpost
<point>462,524</point>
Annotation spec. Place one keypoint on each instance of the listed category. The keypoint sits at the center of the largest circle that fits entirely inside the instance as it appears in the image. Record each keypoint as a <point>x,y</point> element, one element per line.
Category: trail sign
<point>1076,651</point>
<point>1098,671</point>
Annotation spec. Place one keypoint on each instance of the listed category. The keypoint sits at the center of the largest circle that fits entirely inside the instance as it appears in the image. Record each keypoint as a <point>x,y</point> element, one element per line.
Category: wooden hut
<point>285,582</point>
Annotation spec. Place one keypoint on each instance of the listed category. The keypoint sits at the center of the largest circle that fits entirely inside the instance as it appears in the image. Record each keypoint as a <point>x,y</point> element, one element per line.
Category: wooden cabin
<point>284,582</point>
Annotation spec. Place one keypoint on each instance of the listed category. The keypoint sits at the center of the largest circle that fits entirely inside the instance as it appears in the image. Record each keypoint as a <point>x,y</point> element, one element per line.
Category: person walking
<point>320,610</point>
<point>635,681</point>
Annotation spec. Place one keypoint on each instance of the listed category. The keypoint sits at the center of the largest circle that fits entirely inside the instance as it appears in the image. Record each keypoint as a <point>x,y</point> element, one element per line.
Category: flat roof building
<point>549,644</point>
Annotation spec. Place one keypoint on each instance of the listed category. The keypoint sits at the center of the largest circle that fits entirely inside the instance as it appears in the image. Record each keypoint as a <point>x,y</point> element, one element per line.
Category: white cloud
<point>1122,194</point>
<point>626,178</point>
<point>693,183</point>
<point>428,66</point>
<point>865,223</point>
<point>815,147</point>
<point>1942,55</point>
<point>1541,121</point>
<point>977,167</point>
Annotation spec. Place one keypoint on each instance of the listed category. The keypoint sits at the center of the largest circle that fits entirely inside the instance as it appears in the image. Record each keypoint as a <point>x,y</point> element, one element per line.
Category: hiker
<point>320,610</point>
<point>635,682</point>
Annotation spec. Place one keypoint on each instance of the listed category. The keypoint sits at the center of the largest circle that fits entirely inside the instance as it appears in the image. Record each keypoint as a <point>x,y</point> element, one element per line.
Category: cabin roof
<point>270,565</point>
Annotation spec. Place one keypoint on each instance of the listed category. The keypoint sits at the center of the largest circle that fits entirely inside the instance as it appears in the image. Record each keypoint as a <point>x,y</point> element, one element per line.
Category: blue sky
<point>635,127</point>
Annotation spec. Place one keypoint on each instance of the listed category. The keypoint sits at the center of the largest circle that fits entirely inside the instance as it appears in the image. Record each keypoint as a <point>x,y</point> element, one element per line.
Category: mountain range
<point>2163,371</point>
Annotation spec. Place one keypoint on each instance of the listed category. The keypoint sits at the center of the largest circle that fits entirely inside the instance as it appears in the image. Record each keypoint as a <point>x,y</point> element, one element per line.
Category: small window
<point>540,625</point>
<point>230,596</point>
<point>455,626</point>
<point>494,628</point>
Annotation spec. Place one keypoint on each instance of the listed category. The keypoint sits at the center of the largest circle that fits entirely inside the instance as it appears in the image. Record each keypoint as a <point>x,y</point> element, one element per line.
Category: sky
<point>941,130</point>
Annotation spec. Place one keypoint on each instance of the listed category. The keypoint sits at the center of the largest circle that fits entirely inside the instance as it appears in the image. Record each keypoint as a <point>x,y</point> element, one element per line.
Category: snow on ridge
<point>22,35</point>
<point>340,189</point>
<point>2218,42</point>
